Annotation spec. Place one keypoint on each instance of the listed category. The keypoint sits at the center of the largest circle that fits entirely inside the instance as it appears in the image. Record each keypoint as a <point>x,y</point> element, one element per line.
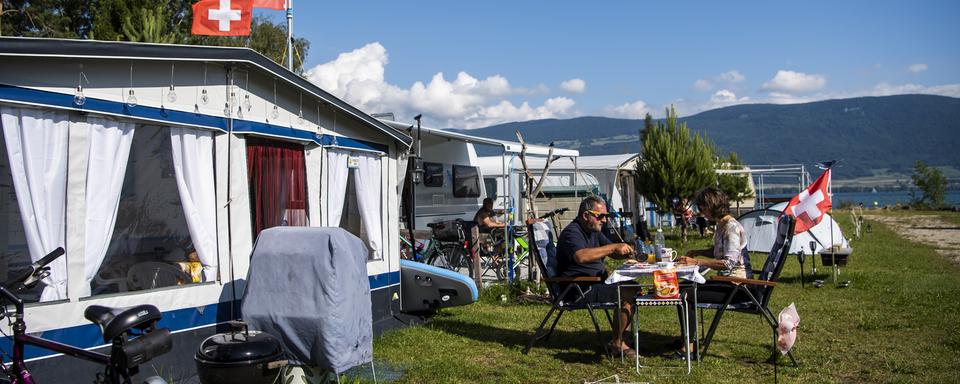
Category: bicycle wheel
<point>458,257</point>
<point>438,258</point>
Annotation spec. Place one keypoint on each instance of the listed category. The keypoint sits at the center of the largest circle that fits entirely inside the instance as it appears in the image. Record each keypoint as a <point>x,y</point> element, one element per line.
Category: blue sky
<point>474,64</point>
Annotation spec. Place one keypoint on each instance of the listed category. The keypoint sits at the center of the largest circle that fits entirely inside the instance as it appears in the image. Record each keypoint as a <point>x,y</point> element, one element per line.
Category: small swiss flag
<point>810,205</point>
<point>222,17</point>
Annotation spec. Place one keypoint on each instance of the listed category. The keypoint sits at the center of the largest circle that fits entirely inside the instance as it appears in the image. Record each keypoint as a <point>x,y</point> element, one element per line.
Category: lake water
<point>883,198</point>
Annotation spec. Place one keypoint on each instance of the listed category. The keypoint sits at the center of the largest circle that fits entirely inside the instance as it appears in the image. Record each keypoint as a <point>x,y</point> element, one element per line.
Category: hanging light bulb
<point>276,112</point>
<point>203,97</point>
<point>300,118</point>
<point>172,94</point>
<point>196,108</point>
<point>131,98</point>
<point>246,103</point>
<point>226,109</point>
<point>233,98</point>
<point>78,97</point>
<point>239,112</point>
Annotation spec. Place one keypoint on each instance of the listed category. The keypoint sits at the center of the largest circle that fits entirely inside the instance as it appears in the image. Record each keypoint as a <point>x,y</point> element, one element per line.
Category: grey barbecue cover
<point>308,286</point>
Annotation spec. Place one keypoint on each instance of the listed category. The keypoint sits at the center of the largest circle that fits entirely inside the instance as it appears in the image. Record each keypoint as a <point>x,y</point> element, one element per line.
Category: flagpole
<point>833,251</point>
<point>290,35</point>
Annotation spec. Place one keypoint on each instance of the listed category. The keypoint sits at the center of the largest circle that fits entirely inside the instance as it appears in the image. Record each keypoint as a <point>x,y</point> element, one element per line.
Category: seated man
<point>581,250</point>
<point>484,217</point>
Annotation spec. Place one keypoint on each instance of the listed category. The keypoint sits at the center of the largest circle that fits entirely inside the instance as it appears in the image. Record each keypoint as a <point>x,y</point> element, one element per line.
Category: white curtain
<point>336,186</point>
<point>109,151</point>
<point>36,143</point>
<point>193,163</point>
<point>367,178</point>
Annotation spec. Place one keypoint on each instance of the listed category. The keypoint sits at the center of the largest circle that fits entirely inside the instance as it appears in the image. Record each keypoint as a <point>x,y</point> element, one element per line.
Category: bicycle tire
<point>458,257</point>
<point>437,258</point>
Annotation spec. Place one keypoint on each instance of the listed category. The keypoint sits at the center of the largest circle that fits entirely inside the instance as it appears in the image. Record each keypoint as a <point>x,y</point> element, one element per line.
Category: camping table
<point>629,272</point>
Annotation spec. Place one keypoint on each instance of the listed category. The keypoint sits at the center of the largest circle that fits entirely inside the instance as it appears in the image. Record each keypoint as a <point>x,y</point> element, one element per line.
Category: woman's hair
<point>714,201</point>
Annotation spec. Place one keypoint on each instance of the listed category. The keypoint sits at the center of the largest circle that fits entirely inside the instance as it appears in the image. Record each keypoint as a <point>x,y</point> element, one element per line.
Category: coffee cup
<point>668,254</point>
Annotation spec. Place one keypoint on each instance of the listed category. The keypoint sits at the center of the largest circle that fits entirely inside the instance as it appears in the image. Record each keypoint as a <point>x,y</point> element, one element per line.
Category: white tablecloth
<point>629,272</point>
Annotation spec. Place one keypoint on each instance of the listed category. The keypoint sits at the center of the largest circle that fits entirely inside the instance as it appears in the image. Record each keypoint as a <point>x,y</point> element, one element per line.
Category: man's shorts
<point>596,293</point>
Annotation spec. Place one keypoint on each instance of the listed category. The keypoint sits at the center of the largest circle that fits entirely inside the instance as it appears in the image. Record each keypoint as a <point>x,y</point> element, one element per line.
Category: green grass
<point>897,322</point>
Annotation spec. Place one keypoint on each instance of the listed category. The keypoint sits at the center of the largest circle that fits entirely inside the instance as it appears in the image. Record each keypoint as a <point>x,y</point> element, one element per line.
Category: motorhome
<point>147,162</point>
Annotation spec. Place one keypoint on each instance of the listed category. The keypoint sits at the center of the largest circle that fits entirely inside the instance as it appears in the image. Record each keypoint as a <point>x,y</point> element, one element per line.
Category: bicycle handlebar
<point>24,277</point>
<point>558,211</point>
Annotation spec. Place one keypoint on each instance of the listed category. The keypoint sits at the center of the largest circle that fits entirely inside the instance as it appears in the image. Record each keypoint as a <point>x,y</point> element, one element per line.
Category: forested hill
<point>870,134</point>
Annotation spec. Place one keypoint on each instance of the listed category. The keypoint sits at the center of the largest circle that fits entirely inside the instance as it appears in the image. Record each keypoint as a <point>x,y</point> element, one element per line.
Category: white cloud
<point>635,110</point>
<point>790,81</point>
<point>917,68</point>
<point>702,85</point>
<point>463,102</point>
<point>574,86</point>
<point>884,89</point>
<point>732,76</point>
<point>726,97</point>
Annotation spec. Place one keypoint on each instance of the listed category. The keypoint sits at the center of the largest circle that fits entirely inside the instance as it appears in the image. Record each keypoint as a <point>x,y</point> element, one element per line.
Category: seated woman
<point>728,256</point>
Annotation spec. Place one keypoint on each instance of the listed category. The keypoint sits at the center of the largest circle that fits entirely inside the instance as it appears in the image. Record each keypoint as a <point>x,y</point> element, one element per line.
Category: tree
<point>675,163</point>
<point>152,29</point>
<point>736,186</point>
<point>931,183</point>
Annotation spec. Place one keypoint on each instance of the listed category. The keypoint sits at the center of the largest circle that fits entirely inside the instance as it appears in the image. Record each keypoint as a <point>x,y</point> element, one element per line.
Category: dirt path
<point>929,229</point>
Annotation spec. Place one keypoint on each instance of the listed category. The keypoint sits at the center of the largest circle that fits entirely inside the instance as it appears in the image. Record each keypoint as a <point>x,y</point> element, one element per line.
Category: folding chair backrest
<point>545,253</point>
<point>777,257</point>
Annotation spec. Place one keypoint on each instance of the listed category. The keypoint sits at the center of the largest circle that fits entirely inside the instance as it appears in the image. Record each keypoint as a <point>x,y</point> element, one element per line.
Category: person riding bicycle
<point>581,251</point>
<point>485,217</point>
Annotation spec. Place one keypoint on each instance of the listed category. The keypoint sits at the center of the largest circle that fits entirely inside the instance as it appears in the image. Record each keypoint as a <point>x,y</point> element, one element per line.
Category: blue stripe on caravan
<point>384,280</point>
<point>61,100</point>
<point>111,107</point>
<point>88,335</point>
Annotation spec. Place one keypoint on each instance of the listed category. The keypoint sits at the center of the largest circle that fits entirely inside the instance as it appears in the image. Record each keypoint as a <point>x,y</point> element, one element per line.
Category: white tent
<point>761,229</point>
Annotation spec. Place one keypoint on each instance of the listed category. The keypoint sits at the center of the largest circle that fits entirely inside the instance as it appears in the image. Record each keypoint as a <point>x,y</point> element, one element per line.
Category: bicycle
<point>132,332</point>
<point>446,254</point>
<point>492,258</point>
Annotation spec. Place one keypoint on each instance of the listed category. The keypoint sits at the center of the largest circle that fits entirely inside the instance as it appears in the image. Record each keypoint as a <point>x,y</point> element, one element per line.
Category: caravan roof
<point>508,146</point>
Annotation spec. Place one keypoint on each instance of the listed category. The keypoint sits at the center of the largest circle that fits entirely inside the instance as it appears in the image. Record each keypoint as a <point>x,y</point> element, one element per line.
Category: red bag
<point>665,284</point>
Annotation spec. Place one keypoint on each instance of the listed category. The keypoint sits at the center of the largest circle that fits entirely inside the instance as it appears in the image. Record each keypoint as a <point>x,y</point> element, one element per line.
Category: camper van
<point>156,166</point>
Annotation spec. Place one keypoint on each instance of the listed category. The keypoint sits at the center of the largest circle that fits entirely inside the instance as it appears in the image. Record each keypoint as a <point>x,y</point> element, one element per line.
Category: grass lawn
<point>896,322</point>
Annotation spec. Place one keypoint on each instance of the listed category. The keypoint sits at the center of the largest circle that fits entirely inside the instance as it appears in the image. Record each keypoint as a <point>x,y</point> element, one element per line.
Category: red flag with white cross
<point>811,204</point>
<point>222,17</point>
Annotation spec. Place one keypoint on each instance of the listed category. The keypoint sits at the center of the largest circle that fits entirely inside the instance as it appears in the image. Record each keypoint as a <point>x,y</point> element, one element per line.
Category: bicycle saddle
<point>114,322</point>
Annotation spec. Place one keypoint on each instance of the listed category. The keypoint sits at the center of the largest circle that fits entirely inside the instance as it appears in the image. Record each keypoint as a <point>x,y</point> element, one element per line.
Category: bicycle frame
<point>21,339</point>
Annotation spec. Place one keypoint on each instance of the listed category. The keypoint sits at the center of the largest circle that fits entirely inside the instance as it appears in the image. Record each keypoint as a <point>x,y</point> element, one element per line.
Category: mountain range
<point>871,136</point>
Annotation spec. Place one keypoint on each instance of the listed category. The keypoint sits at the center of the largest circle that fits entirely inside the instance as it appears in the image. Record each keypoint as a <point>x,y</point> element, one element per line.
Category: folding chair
<point>568,299</point>
<point>753,295</point>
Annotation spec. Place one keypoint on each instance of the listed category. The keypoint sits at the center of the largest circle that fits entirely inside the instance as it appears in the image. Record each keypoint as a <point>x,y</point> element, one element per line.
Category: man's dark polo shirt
<point>572,239</point>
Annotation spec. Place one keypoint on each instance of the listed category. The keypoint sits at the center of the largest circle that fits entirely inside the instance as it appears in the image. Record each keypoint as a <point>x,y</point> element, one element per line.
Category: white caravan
<point>133,156</point>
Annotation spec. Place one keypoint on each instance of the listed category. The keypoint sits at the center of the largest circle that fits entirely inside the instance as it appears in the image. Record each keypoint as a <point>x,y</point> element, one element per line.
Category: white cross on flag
<point>222,17</point>
<point>810,205</point>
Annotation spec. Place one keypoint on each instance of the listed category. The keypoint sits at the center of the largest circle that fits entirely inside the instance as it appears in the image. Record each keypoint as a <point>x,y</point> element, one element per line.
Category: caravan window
<point>150,245</point>
<point>490,184</point>
<point>466,181</point>
<point>433,174</point>
<point>14,252</point>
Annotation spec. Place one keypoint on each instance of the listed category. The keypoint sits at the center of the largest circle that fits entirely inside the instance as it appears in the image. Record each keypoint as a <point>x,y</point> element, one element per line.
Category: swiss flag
<point>810,205</point>
<point>222,17</point>
<point>271,4</point>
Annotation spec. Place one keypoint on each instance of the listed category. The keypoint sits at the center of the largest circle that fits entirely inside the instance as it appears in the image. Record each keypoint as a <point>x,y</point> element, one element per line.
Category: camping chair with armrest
<point>753,295</point>
<point>566,293</point>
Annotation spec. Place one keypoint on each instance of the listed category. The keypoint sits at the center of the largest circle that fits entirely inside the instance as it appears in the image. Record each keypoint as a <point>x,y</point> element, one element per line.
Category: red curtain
<point>277,177</point>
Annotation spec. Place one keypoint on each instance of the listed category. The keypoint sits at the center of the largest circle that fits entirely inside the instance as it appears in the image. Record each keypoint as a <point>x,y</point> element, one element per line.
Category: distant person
<point>485,219</point>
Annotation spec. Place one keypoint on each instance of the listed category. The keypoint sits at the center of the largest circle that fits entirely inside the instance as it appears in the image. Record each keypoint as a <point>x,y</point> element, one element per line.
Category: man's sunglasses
<point>599,215</point>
